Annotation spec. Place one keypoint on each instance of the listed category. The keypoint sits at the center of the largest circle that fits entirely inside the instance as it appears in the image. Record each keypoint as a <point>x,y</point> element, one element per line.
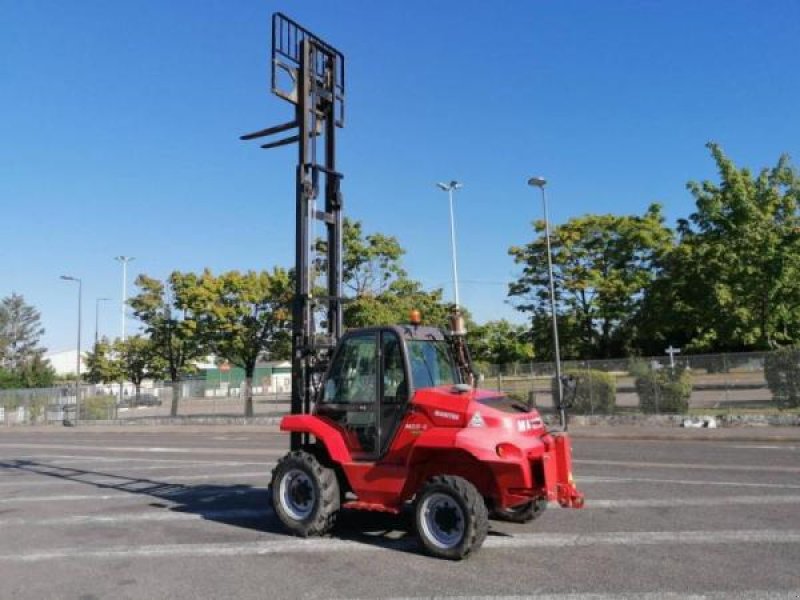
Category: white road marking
<point>688,466</point>
<point>597,479</point>
<point>294,545</point>
<point>151,450</point>
<point>715,501</point>
<point>754,447</point>
<point>164,515</point>
<point>163,492</point>
<point>110,480</point>
<point>25,475</point>
<point>86,458</point>
<point>715,595</point>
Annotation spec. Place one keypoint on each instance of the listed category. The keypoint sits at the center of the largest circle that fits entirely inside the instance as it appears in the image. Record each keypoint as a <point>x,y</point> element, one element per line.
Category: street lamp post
<point>450,188</point>
<point>541,182</point>
<point>97,320</point>
<point>124,260</point>
<point>78,362</point>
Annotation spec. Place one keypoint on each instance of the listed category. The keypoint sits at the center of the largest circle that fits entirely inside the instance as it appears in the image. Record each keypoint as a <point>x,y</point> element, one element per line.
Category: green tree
<point>500,342</point>
<point>245,316</point>
<point>138,360</point>
<point>20,332</point>
<point>103,364</point>
<point>163,308</point>
<point>602,264</point>
<point>370,262</point>
<point>36,372</point>
<point>733,282</point>
<point>380,289</point>
<point>395,305</point>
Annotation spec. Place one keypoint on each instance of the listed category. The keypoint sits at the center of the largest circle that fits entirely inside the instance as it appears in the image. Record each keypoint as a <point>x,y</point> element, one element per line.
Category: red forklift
<point>386,418</point>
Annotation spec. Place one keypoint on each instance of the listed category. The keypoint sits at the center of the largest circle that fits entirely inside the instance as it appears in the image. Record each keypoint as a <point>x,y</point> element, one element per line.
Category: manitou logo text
<point>446,415</point>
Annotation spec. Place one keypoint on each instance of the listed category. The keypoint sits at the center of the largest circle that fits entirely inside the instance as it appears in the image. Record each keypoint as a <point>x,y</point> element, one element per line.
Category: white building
<point>64,362</point>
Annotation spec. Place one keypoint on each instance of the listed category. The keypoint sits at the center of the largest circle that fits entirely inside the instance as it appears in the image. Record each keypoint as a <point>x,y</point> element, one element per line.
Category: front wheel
<point>451,517</point>
<point>305,494</point>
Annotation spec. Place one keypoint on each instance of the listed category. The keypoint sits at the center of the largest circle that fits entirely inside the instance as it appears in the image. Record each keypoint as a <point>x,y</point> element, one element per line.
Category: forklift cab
<point>372,377</point>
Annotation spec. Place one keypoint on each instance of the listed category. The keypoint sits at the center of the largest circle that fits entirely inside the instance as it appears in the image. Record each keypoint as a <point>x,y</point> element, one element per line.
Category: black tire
<point>450,517</point>
<point>305,495</point>
<point>524,513</point>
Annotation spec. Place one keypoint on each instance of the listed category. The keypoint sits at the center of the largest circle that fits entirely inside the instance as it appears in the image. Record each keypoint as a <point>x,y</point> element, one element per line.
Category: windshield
<point>431,363</point>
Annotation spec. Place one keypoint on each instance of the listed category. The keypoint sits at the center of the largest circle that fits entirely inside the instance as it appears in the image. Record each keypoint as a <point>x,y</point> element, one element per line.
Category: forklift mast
<point>309,73</point>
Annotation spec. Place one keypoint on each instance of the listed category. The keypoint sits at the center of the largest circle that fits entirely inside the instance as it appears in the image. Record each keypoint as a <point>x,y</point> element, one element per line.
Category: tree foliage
<point>380,291</point>
<point>135,359</point>
<point>370,262</point>
<point>244,316</point>
<point>22,362</point>
<point>733,282</point>
<point>103,364</point>
<point>500,342</point>
<point>163,308</point>
<point>602,265</point>
<point>138,360</point>
<point>20,332</point>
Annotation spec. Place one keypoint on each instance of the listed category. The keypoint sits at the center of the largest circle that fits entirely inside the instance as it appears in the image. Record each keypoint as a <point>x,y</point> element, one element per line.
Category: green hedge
<point>596,392</point>
<point>782,372</point>
<point>94,408</point>
<point>664,390</point>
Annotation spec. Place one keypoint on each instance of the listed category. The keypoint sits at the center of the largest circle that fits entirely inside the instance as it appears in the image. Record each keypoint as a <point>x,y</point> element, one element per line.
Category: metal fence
<point>717,383</point>
<point>107,402</point>
<point>710,382</point>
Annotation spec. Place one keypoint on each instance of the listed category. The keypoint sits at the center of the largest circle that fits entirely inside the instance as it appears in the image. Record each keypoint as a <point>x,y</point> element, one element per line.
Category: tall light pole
<point>97,319</point>
<point>450,188</point>
<point>124,260</point>
<point>541,182</point>
<point>78,365</point>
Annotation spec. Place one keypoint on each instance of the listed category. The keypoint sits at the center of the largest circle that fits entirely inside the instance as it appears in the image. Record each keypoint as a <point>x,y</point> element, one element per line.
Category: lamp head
<point>449,187</point>
<point>537,181</point>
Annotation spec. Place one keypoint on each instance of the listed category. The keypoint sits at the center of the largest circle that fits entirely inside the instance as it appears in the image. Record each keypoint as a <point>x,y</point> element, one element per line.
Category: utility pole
<point>124,260</point>
<point>78,362</point>
<point>541,182</point>
<point>450,188</point>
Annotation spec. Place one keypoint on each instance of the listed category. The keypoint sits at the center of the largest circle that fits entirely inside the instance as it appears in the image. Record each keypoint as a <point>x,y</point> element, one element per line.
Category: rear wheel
<point>521,514</point>
<point>450,517</point>
<point>305,494</point>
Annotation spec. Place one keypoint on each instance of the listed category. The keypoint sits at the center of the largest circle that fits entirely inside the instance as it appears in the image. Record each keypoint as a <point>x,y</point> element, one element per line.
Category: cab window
<point>353,375</point>
<point>431,363</point>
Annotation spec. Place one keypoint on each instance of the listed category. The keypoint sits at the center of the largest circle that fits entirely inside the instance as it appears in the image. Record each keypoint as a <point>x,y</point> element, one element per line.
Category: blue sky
<point>120,122</point>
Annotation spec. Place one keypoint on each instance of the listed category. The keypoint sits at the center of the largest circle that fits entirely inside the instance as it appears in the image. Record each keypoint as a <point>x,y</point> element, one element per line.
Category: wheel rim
<point>296,494</point>
<point>442,520</point>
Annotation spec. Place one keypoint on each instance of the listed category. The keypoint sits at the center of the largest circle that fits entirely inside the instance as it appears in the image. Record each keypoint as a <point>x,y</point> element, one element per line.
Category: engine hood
<point>447,406</point>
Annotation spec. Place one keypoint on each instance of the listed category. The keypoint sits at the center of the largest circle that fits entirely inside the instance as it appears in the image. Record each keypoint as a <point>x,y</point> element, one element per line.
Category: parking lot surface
<point>184,514</point>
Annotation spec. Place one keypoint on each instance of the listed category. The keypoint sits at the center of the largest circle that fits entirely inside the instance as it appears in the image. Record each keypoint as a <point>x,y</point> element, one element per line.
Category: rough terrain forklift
<point>386,418</point>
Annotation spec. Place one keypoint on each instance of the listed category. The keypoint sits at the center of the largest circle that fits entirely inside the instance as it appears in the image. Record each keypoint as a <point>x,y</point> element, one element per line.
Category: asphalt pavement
<point>183,513</point>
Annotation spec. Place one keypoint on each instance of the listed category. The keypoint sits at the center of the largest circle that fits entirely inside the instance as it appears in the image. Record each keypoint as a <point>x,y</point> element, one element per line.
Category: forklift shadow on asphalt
<point>236,505</point>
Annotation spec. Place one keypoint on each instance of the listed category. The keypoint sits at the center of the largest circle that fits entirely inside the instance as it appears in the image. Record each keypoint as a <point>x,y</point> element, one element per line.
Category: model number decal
<point>416,426</point>
<point>446,415</point>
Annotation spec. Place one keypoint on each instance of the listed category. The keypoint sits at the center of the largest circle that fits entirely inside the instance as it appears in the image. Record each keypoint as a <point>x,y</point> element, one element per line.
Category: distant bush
<point>595,392</point>
<point>662,390</point>
<point>782,372</point>
<point>95,408</point>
